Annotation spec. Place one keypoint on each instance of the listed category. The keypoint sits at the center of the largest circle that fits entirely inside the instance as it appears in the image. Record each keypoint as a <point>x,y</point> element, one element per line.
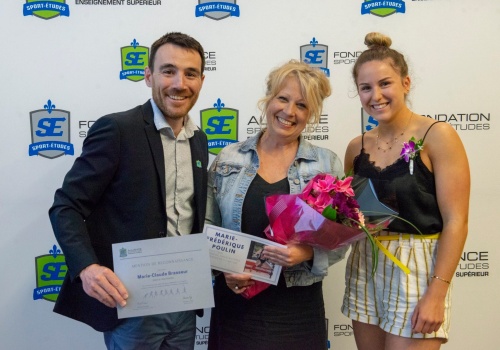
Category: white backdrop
<point>75,62</point>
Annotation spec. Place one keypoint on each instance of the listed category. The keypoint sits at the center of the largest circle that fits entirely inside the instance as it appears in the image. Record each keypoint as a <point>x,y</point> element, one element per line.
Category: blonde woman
<point>290,315</point>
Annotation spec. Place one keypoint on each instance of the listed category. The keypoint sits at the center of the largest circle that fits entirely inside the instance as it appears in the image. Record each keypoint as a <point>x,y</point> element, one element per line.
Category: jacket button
<point>161,234</point>
<point>296,181</point>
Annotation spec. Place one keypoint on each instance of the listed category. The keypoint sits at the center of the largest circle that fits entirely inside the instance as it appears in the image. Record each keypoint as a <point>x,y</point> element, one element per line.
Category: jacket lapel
<point>155,145</point>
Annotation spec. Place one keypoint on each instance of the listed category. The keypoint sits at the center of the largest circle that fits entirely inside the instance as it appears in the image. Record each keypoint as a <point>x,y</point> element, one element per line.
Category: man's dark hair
<point>177,39</point>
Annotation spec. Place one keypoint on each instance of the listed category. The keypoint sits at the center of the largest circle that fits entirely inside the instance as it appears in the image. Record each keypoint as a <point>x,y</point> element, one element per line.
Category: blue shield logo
<point>221,126</point>
<point>50,134</point>
<point>134,59</point>
<point>316,55</point>
<point>50,272</point>
<point>217,10</point>
<point>46,9</point>
<point>383,8</point>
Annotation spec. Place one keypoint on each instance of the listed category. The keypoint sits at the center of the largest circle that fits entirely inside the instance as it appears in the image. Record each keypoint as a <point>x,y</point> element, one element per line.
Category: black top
<point>413,196</point>
<point>278,317</point>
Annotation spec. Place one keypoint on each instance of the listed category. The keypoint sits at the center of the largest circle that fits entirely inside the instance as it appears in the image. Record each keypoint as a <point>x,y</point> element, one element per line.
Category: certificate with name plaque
<point>164,275</point>
<point>237,252</point>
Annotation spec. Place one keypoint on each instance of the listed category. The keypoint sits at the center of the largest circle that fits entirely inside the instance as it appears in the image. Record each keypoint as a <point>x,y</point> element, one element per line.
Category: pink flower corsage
<point>410,149</point>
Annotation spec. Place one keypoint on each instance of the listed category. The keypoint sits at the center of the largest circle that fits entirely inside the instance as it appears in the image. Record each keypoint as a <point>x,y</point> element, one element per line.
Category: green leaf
<point>330,213</point>
<point>372,244</point>
<point>350,172</point>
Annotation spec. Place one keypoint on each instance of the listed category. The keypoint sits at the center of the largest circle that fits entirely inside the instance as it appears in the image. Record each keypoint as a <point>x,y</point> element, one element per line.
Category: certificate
<point>236,252</point>
<point>164,275</point>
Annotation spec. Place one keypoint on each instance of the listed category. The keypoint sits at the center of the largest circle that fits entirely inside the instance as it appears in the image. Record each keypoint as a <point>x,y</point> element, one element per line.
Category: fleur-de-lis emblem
<point>49,106</point>
<point>219,105</point>
<point>134,43</point>
<point>313,42</point>
<point>54,251</point>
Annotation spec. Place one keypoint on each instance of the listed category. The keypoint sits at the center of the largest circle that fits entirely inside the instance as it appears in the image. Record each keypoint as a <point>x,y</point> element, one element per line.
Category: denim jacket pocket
<point>226,174</point>
<point>307,176</point>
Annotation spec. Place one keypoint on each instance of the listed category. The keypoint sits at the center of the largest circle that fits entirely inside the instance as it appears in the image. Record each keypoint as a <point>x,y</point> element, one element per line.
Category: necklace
<point>394,140</point>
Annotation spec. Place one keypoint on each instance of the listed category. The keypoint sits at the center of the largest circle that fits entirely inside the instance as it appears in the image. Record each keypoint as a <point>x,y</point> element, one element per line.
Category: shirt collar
<point>161,123</point>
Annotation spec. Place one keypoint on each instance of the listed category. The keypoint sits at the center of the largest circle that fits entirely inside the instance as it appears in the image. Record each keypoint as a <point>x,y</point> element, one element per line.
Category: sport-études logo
<point>134,59</point>
<point>367,121</point>
<point>50,272</point>
<point>220,124</point>
<point>316,55</point>
<point>50,134</point>
<point>46,9</point>
<point>383,8</point>
<point>217,10</point>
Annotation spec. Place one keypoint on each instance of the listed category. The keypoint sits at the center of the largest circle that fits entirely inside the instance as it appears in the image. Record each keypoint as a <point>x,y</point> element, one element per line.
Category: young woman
<point>429,188</point>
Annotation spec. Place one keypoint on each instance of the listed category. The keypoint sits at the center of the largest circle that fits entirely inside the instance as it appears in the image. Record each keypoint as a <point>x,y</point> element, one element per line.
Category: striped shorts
<point>389,297</point>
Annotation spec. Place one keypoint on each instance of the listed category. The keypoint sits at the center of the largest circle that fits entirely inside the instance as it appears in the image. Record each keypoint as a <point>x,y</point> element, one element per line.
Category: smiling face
<point>176,81</point>
<point>381,89</point>
<point>287,113</point>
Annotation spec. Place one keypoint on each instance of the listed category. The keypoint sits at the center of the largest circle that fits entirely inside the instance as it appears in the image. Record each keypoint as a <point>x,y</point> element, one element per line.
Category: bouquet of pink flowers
<point>325,215</point>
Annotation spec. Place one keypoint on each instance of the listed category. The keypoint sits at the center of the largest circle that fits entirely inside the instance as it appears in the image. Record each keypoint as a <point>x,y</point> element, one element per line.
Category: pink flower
<point>344,186</point>
<point>309,199</point>
<point>326,184</point>
<point>325,190</point>
<point>408,151</point>
<point>322,201</point>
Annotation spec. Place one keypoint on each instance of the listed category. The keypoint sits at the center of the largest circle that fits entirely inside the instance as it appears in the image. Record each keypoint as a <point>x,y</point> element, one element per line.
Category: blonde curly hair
<point>314,86</point>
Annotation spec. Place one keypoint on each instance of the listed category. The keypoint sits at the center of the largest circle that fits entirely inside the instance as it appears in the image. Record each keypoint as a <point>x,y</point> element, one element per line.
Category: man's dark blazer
<point>115,192</point>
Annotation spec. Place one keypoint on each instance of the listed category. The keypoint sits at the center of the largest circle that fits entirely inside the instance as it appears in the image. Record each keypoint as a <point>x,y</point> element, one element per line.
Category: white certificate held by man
<point>164,275</point>
<point>237,252</point>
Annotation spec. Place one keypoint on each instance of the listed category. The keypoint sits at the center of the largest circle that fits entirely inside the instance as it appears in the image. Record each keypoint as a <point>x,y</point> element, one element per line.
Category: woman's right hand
<point>289,256</point>
<point>238,282</point>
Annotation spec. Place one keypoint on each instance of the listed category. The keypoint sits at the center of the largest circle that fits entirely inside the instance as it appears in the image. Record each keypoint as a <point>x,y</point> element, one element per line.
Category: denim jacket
<point>230,175</point>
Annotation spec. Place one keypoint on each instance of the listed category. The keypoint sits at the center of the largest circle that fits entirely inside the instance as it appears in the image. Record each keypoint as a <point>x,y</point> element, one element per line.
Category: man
<point>141,174</point>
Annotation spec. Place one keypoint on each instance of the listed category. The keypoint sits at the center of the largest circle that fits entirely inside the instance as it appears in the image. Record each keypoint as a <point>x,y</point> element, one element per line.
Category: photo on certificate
<point>237,252</point>
<point>257,265</point>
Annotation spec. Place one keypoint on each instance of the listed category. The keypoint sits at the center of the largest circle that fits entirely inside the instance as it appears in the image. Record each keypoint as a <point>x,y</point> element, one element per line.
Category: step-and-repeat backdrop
<point>65,63</point>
